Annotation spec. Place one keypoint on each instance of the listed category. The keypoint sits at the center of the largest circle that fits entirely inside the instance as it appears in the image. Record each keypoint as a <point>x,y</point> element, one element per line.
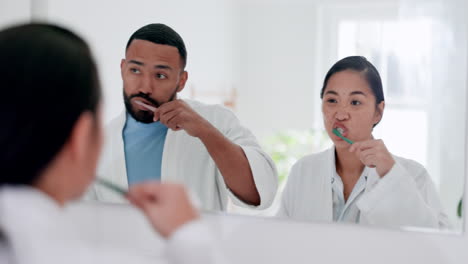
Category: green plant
<point>460,208</point>
<point>288,146</point>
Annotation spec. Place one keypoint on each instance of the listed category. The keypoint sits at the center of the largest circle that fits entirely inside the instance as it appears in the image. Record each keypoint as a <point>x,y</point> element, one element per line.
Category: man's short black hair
<point>161,34</point>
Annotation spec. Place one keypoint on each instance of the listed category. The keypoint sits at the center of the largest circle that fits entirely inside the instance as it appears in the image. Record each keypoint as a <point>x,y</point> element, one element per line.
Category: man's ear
<point>122,66</point>
<point>80,137</point>
<point>183,81</point>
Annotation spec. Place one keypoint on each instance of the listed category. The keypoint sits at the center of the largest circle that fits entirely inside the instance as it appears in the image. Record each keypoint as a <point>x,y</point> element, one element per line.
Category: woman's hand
<point>166,205</point>
<point>373,153</point>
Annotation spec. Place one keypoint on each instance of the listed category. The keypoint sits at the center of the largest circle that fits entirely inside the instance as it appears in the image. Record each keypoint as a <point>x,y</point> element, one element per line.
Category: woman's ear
<point>379,113</point>
<point>81,135</point>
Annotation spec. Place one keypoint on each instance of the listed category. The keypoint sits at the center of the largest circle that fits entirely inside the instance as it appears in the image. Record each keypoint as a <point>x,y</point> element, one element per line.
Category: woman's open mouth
<point>341,128</point>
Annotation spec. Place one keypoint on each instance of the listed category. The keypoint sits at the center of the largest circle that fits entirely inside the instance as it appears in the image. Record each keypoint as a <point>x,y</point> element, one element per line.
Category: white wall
<point>205,26</point>
<point>12,12</point>
<point>276,81</point>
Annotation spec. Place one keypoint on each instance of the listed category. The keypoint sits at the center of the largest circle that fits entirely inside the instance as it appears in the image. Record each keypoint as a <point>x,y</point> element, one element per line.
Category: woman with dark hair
<point>358,180</point>
<point>51,138</point>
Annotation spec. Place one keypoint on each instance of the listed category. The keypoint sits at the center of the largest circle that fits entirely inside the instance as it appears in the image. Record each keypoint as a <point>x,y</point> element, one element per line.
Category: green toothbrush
<point>338,133</point>
<point>111,186</point>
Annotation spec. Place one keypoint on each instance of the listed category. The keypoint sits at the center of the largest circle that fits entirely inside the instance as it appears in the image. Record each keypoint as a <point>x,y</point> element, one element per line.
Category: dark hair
<point>161,34</point>
<point>361,65</point>
<point>48,79</point>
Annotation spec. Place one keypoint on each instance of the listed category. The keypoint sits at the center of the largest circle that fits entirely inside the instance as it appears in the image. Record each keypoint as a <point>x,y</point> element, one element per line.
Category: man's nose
<point>145,85</point>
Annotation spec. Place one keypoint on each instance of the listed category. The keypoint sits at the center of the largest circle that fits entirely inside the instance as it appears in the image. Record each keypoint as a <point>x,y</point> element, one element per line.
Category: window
<point>405,70</point>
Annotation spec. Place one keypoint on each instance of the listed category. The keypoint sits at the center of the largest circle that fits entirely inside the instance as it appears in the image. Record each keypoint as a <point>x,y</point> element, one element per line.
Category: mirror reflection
<point>274,152</point>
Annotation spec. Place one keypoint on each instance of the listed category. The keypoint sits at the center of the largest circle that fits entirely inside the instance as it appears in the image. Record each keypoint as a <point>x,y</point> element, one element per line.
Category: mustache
<point>146,97</point>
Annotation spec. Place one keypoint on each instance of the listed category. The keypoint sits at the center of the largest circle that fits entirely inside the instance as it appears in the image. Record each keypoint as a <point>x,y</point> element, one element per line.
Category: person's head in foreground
<point>51,132</point>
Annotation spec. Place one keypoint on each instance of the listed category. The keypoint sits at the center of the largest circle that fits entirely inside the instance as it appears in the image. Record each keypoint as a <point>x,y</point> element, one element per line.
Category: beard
<point>141,115</point>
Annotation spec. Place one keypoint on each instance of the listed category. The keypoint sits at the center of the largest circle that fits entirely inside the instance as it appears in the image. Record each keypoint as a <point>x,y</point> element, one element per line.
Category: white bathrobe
<point>38,232</point>
<point>5,251</point>
<point>405,196</point>
<point>185,160</point>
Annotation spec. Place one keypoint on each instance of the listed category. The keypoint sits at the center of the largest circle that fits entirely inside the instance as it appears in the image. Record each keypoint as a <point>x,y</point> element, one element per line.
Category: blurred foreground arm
<point>171,214</point>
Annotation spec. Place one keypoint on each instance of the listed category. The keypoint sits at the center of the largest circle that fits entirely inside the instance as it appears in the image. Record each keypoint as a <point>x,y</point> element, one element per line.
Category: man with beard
<point>162,137</point>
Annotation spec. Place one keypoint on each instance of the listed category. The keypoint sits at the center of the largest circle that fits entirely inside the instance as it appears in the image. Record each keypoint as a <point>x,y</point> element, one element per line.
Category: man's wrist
<point>206,131</point>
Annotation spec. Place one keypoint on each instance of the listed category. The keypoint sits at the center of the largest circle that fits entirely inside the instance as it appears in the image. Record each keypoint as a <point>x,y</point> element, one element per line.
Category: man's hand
<point>178,115</point>
<point>228,156</point>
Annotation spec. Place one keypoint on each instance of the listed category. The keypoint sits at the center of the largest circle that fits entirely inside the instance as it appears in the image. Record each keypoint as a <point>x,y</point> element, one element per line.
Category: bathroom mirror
<point>266,60</point>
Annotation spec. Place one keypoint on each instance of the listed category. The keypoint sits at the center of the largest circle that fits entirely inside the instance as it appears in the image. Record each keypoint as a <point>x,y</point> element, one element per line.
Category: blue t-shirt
<point>144,145</point>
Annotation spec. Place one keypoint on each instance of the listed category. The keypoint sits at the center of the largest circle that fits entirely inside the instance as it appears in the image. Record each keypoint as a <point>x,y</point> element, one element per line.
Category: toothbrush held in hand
<point>149,107</point>
<point>111,186</point>
<point>338,133</point>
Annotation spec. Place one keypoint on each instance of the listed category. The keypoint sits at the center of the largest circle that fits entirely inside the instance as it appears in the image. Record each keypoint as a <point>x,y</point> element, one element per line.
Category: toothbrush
<point>111,186</point>
<point>149,107</point>
<point>338,133</point>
